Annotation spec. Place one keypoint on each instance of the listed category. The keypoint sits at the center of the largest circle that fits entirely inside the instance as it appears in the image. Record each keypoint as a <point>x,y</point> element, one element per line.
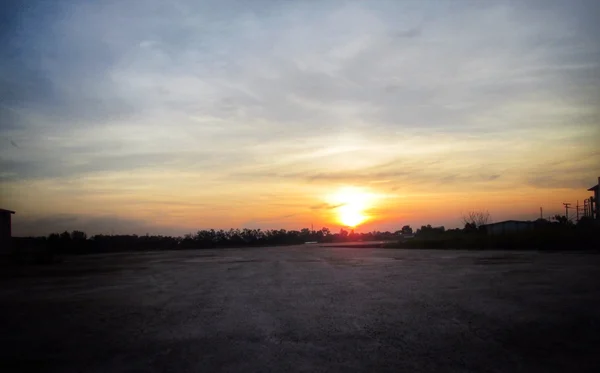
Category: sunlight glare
<point>350,216</point>
<point>352,203</point>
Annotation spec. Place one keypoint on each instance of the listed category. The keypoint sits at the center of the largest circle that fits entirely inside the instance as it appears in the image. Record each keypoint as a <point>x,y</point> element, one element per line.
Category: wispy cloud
<point>299,95</point>
<point>108,224</point>
<point>326,206</point>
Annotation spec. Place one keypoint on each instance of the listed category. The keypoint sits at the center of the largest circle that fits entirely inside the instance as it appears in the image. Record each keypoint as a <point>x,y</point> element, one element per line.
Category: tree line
<point>556,232</point>
<point>77,242</point>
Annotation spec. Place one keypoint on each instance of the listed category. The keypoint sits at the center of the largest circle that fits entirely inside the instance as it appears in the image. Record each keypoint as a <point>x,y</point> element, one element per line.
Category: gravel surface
<point>305,309</point>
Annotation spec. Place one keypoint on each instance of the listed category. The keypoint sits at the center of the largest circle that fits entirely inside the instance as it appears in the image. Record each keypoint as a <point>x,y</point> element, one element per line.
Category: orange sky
<point>181,210</point>
<point>114,120</point>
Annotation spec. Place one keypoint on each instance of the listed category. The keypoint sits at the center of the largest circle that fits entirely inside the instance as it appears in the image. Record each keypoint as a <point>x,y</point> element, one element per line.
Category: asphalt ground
<point>305,309</point>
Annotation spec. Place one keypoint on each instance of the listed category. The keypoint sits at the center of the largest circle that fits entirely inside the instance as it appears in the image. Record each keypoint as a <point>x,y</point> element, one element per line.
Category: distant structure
<point>508,226</point>
<point>5,231</point>
<point>591,204</point>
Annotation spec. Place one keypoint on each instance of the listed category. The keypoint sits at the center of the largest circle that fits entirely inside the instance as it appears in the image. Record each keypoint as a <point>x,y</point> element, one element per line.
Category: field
<point>304,309</point>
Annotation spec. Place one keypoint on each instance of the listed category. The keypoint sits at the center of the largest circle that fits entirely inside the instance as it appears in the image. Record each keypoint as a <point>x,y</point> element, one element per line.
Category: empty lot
<point>305,308</point>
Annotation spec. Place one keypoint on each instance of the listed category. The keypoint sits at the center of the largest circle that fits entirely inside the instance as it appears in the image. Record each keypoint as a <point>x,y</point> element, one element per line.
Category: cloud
<point>276,222</point>
<point>407,178</point>
<point>566,174</point>
<point>326,206</point>
<point>299,95</point>
<point>409,33</point>
<point>25,226</point>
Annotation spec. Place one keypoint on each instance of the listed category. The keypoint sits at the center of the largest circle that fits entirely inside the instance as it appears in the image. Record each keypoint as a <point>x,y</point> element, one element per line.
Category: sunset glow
<point>350,216</point>
<point>350,204</point>
<point>139,117</point>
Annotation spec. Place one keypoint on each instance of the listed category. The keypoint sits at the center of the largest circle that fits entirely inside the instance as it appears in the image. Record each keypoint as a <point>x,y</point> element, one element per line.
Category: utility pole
<point>581,210</point>
<point>567,209</point>
<point>577,210</point>
<point>586,208</point>
<point>541,214</point>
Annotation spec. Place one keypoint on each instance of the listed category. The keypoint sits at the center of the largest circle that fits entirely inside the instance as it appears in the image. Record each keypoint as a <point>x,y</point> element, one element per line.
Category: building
<point>508,226</point>
<point>592,202</point>
<point>5,230</point>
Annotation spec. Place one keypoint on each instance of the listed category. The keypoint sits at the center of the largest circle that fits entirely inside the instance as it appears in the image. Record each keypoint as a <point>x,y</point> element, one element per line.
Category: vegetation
<point>473,220</point>
<point>77,242</point>
<point>560,233</point>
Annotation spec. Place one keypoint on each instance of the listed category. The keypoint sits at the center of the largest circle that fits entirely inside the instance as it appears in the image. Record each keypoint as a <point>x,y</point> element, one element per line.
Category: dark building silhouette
<point>5,231</point>
<point>594,210</point>
<point>508,226</point>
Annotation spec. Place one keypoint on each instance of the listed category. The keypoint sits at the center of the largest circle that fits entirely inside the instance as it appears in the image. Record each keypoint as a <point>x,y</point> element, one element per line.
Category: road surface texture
<point>305,309</point>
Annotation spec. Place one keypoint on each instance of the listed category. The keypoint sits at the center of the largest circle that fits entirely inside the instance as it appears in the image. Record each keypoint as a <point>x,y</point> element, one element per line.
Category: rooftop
<point>509,221</point>
<point>594,188</point>
<point>9,211</point>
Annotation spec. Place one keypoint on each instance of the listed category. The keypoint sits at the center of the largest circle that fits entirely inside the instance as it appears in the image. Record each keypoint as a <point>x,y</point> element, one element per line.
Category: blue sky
<point>242,113</point>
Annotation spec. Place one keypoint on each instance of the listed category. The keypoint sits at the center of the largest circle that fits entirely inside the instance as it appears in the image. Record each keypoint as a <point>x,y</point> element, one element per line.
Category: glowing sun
<point>350,217</point>
<point>351,204</point>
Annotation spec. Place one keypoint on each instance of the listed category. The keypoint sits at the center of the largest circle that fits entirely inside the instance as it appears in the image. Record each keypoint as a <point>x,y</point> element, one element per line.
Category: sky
<point>168,117</point>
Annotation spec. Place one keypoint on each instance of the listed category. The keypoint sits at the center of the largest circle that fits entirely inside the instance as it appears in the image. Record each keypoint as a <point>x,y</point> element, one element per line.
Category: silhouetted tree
<point>476,218</point>
<point>428,230</point>
<point>343,234</point>
<point>65,237</point>
<point>470,227</point>
<point>78,236</point>
<point>562,220</point>
<point>406,229</point>
<point>559,233</point>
